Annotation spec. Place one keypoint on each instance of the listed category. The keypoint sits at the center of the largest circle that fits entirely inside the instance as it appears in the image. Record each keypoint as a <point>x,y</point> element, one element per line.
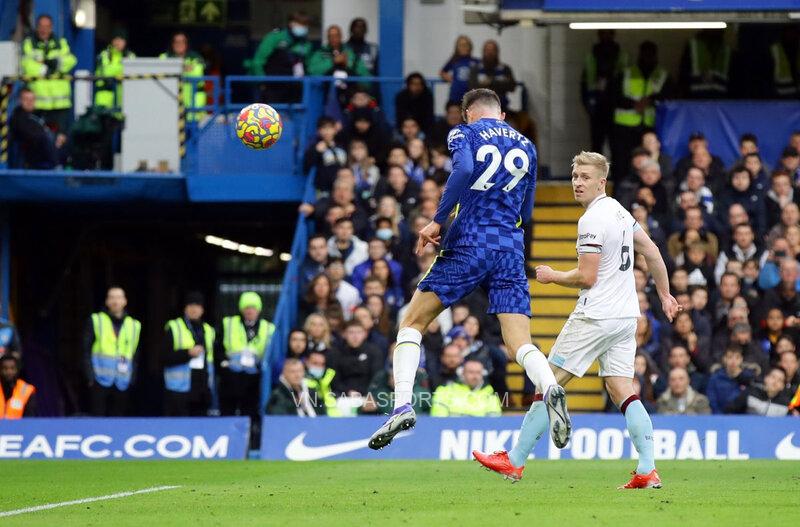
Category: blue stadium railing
<point>285,317</point>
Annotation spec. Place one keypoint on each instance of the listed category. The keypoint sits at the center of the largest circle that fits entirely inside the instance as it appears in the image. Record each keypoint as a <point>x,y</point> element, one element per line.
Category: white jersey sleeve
<point>607,228</point>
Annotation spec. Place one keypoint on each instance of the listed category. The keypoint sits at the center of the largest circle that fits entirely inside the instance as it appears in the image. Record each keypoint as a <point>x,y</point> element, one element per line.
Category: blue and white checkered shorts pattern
<point>456,272</point>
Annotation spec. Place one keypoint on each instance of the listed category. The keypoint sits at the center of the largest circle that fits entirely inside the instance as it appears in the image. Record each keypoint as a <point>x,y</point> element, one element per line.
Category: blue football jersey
<point>504,173</point>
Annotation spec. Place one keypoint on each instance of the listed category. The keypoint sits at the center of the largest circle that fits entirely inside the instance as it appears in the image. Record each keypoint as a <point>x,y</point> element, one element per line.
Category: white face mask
<point>316,371</point>
<point>299,31</point>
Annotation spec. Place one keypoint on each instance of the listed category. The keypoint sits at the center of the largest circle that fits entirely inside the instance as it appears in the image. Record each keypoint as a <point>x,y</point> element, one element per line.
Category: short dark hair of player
<point>749,137</point>
<point>325,121</point>
<point>301,17</point>
<point>482,96</point>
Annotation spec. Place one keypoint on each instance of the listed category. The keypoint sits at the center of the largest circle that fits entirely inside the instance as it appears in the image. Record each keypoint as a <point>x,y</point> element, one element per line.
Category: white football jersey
<point>607,228</point>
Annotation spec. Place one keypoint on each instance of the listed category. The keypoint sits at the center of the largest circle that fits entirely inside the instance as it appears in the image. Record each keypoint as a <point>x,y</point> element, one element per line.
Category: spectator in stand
<point>727,382</point>
<point>283,52</point>
<point>790,162</point>
<point>366,52</point>
<point>377,250</point>
<point>492,74</point>
<point>420,162</point>
<point>416,101</point>
<point>393,293</point>
<point>771,398</point>
<point>705,66</point>
<point>319,333</point>
<point>298,344</point>
<point>646,373</point>
<point>780,194</point>
<point>683,334</point>
<point>681,398</point>
<point>291,395</point>
<point>769,276</point>
<point>772,332</point>
<point>679,358</point>
<point>346,245</point>
<point>701,319</point>
<point>355,361</point>
<point>343,195</point>
<point>9,340</point>
<point>374,337</point>
<point>729,288</point>
<point>790,217</point>
<point>492,358</point>
<point>742,336</point>
<point>111,351</point>
<point>315,260</point>
<point>650,178</point>
<point>724,329</point>
<point>457,70</point>
<point>645,342</point>
<point>756,167</point>
<point>651,142</point>
<point>696,182</point>
<point>470,396</point>
<point>319,296</point>
<point>693,231</point>
<point>325,155</point>
<point>445,370</point>
<point>398,185</point>
<point>743,248</point>
<point>381,391</point>
<point>784,296</point>
<point>364,170</point>
<point>699,156</point>
<point>748,144</point>
<point>39,147</point>
<point>788,361</point>
<point>363,119</point>
<point>442,126</point>
<point>318,379</point>
<point>750,289</point>
<point>741,190</point>
<point>17,397</point>
<point>188,359</point>
<point>336,58</point>
<point>695,260</point>
<point>380,314</point>
<point>347,295</point>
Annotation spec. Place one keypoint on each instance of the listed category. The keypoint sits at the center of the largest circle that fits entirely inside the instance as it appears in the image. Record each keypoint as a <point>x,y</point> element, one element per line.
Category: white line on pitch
<point>87,500</point>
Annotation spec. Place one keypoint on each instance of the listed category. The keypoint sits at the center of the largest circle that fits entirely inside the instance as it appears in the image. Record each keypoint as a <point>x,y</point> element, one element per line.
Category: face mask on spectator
<point>316,371</point>
<point>384,234</point>
<point>299,31</point>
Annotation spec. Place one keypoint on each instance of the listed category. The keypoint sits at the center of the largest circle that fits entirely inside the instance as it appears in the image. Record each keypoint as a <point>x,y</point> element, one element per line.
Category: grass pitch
<point>416,493</point>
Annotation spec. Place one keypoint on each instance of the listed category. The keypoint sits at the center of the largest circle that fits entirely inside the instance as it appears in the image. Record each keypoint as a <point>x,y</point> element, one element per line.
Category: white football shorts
<point>611,341</point>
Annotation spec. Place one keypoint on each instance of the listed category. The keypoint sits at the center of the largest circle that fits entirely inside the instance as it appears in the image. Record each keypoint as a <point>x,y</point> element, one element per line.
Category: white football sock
<point>405,364</point>
<point>536,366</point>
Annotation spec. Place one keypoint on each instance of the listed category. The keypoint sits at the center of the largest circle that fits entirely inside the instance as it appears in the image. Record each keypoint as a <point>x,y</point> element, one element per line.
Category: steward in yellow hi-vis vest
<point>245,338</point>
<point>188,358</point>
<point>111,344</point>
<point>705,66</point>
<point>636,91</point>
<point>17,397</point>
<point>785,55</point>
<point>45,55</point>
<point>470,396</point>
<point>193,93</point>
<point>108,91</point>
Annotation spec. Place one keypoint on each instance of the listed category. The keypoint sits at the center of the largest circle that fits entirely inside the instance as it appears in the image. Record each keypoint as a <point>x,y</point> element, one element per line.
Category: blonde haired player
<point>603,324</point>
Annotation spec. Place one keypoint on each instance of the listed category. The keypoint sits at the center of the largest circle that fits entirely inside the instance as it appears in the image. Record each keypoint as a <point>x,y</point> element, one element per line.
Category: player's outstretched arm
<point>655,264</point>
<point>583,277</point>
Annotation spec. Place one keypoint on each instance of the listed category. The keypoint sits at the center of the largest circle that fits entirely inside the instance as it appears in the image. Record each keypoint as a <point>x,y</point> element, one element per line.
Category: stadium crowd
<point>730,237</point>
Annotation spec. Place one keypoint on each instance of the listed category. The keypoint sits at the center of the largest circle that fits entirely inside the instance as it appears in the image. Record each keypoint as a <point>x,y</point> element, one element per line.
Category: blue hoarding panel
<point>595,436</point>
<point>151,438</point>
<point>724,122</point>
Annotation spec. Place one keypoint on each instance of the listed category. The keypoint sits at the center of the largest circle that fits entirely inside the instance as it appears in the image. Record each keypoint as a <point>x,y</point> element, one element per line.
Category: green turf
<point>563,493</point>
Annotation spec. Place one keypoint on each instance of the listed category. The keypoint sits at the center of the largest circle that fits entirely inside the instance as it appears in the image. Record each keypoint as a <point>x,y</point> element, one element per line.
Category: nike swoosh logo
<point>297,450</point>
<point>786,450</point>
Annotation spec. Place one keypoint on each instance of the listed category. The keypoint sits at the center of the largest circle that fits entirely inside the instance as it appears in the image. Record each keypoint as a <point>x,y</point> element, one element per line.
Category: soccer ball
<point>259,126</point>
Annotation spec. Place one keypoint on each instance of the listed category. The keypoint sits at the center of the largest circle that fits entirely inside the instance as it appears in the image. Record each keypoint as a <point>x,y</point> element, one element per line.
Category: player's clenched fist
<point>428,234</point>
<point>545,274</point>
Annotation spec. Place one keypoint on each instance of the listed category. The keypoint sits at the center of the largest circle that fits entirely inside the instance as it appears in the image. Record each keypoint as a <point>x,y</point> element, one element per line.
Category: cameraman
<point>770,275</point>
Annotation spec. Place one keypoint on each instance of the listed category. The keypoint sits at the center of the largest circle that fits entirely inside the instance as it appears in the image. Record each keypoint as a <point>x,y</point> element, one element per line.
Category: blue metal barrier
<point>286,311</point>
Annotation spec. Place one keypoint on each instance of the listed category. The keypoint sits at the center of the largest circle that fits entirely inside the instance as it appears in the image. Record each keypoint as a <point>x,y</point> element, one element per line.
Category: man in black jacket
<point>38,147</point>
<point>355,362</point>
<point>770,399</point>
<point>290,396</point>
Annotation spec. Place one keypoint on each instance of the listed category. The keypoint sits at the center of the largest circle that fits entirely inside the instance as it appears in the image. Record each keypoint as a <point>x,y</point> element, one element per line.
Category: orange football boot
<point>643,481</point>
<point>499,463</point>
